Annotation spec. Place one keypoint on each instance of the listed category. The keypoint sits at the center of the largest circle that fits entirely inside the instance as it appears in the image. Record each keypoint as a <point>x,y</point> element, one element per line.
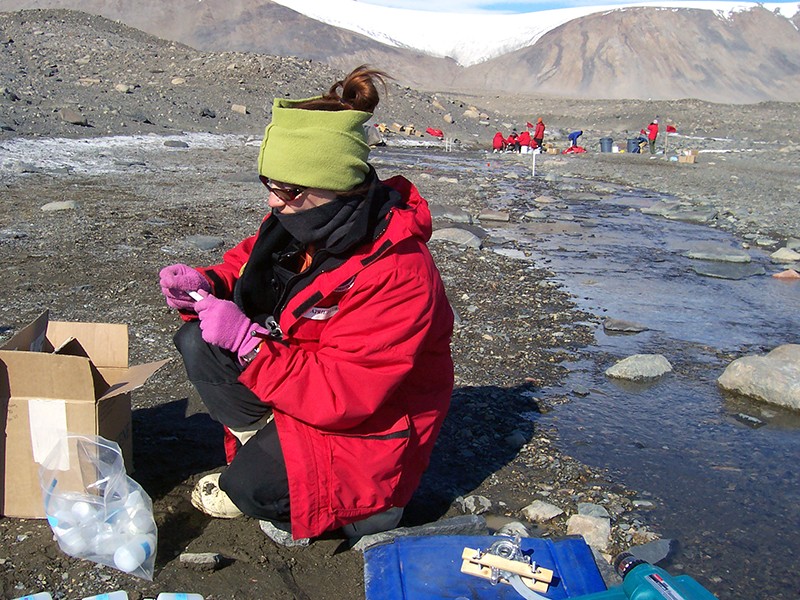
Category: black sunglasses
<point>286,194</point>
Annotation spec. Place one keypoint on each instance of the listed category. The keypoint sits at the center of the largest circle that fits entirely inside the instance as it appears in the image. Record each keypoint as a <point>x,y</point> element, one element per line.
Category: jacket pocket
<point>365,468</point>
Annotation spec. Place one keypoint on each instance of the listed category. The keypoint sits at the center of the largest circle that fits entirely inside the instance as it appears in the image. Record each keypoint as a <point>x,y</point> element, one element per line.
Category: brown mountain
<point>656,53</point>
<point>638,53</point>
<point>262,27</point>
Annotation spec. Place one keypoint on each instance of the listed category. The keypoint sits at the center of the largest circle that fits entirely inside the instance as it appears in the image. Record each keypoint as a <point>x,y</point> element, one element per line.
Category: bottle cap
<point>626,561</point>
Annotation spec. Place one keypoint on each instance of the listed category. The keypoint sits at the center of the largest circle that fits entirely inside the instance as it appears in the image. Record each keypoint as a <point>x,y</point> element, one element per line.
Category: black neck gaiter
<point>314,225</point>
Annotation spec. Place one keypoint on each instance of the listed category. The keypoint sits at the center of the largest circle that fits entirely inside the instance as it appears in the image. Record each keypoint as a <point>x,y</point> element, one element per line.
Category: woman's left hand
<point>223,324</point>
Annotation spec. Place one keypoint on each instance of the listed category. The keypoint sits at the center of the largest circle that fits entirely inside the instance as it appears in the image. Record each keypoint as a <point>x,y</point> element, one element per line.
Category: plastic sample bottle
<point>39,596</point>
<point>72,541</point>
<point>118,595</point>
<point>84,511</point>
<point>178,596</point>
<point>130,556</point>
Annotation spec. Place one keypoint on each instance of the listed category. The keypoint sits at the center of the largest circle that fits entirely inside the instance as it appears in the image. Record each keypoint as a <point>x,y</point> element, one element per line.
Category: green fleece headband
<point>315,148</point>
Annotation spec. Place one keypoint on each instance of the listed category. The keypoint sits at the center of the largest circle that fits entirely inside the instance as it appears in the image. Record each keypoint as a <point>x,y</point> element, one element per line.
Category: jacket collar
<point>409,220</point>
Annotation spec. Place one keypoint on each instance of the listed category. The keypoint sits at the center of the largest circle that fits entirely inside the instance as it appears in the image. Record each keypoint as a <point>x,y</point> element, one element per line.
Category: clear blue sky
<point>508,6</point>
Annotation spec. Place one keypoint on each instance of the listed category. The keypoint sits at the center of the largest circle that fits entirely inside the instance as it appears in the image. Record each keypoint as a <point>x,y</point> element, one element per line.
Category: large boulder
<point>773,378</point>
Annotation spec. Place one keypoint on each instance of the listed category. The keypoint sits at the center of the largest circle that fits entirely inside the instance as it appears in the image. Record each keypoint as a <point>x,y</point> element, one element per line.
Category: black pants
<point>256,479</point>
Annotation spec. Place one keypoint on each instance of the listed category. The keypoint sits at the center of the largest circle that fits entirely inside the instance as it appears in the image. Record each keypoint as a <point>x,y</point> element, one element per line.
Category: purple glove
<point>223,324</point>
<point>177,281</point>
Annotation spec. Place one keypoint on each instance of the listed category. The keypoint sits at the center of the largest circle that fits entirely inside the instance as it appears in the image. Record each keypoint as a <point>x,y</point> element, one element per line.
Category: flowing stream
<point>721,471</point>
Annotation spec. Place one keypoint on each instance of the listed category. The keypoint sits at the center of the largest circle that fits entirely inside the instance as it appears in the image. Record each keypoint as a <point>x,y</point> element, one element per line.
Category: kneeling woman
<point>322,342</point>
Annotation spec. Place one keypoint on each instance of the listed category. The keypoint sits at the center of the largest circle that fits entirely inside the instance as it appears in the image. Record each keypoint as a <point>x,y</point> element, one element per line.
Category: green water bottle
<point>643,581</point>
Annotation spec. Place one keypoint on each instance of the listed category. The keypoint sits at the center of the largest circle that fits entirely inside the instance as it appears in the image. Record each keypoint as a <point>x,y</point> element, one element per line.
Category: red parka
<point>538,133</point>
<point>525,138</point>
<point>498,141</point>
<point>652,131</point>
<point>362,381</point>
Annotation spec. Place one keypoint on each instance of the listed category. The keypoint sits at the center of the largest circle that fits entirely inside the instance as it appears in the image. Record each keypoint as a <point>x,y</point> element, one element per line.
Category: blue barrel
<point>605,144</point>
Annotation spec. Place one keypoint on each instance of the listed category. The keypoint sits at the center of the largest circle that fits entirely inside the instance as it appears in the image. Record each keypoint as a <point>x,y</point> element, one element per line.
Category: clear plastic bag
<point>95,510</point>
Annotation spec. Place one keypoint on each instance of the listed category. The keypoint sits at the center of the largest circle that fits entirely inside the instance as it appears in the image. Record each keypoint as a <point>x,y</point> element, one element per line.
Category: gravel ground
<point>99,261</point>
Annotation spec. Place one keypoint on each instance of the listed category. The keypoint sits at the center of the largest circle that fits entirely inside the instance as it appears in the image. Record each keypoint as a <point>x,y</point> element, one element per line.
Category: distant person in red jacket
<point>538,132</point>
<point>512,142</point>
<point>652,134</point>
<point>524,141</point>
<point>322,342</point>
<point>498,142</point>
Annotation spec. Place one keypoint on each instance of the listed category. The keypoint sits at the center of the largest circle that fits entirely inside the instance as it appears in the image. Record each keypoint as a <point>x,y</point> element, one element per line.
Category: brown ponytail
<point>358,92</point>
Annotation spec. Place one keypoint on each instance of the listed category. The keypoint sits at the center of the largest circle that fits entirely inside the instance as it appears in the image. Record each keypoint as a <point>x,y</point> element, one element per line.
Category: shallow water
<point>725,486</point>
<point>722,472</point>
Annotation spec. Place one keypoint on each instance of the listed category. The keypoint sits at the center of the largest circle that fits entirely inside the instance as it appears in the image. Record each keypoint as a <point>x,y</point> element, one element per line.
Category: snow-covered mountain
<point>477,37</point>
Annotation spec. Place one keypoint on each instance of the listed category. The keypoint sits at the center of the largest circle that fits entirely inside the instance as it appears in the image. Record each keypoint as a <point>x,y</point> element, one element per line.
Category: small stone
<point>640,367</point>
<point>488,214</point>
<point>72,116</point>
<point>785,255</point>
<point>787,274</point>
<point>592,510</point>
<point>202,561</point>
<point>205,242</point>
<point>539,511</point>
<point>60,205</point>
<point>580,390</point>
<point>595,530</point>
<point>475,504</point>
<point>458,236</point>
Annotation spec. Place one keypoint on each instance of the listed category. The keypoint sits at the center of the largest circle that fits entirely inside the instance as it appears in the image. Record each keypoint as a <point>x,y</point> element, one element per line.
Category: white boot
<point>208,498</point>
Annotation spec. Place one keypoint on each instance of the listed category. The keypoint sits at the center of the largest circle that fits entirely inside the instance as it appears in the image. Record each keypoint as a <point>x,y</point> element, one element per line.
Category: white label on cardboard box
<point>48,425</point>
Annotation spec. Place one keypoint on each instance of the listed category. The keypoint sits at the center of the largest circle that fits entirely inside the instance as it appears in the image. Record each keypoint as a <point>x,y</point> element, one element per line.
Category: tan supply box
<point>58,378</point>
<point>687,158</point>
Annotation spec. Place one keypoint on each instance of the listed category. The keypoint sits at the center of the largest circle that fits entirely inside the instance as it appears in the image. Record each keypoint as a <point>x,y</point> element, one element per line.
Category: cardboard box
<point>687,158</point>
<point>552,150</point>
<point>58,378</point>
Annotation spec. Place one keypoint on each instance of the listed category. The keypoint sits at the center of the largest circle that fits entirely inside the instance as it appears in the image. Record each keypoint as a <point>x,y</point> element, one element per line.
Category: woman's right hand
<point>176,283</point>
